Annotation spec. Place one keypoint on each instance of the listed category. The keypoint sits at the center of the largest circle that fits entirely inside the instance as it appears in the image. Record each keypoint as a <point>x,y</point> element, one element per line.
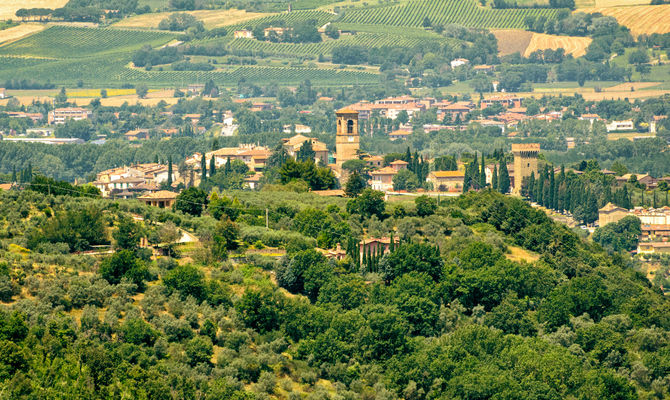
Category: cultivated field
<point>571,44</point>
<point>631,86</point>
<point>639,19</point>
<point>65,41</point>
<point>8,7</point>
<point>464,12</point>
<point>365,39</point>
<point>19,31</point>
<point>211,18</point>
<point>512,41</point>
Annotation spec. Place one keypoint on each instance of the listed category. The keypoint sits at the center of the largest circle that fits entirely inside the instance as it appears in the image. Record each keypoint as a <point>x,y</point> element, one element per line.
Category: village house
<point>297,128</point>
<point>446,181</point>
<point>382,179</point>
<point>293,144</point>
<point>135,178</point>
<point>61,115</point>
<point>253,156</point>
<point>659,233</point>
<point>400,134</point>
<point>44,132</point>
<point>376,245</point>
<point>653,248</point>
<point>374,161</point>
<point>137,135</point>
<point>589,117</point>
<point>3,93</point>
<point>507,101</point>
<point>35,117</point>
<point>160,199</point>
<point>252,181</point>
<point>484,69</point>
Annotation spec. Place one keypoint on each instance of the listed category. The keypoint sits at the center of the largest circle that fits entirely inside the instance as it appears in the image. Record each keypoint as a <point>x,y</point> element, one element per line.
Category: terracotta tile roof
<point>161,194</point>
<point>384,171</point>
<point>448,174</point>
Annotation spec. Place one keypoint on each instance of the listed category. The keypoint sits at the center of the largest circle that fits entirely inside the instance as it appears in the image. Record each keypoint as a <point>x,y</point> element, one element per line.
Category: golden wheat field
<point>571,44</point>
<point>8,7</point>
<point>512,41</point>
<point>639,19</point>
<point>19,31</point>
<point>211,18</point>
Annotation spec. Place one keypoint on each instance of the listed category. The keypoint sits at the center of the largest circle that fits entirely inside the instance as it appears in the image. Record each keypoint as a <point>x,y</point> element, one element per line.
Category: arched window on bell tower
<point>350,126</point>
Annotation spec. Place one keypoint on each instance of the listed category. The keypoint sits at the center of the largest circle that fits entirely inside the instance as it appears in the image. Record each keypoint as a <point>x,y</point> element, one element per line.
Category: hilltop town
<point>334,199</point>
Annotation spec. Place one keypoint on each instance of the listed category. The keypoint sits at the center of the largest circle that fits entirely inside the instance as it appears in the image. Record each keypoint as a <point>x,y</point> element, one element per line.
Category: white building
<point>620,126</point>
<point>459,62</point>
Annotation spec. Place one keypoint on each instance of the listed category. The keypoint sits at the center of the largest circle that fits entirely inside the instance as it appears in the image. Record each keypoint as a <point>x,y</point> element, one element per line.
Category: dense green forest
<point>483,297</point>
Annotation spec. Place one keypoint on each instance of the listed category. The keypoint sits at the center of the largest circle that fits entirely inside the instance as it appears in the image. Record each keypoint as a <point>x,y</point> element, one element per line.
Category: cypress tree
<point>552,189</point>
<point>642,197</point>
<point>169,177</point>
<point>392,243</point>
<point>653,194</point>
<point>212,166</point>
<point>531,186</point>
<point>155,158</point>
<point>494,178</point>
<point>503,181</point>
<point>666,198</point>
<point>203,168</point>
<point>14,175</point>
<point>408,155</point>
<point>482,173</point>
<point>474,170</point>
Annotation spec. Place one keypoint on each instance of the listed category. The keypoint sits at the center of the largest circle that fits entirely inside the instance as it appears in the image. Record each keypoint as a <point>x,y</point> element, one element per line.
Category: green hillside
<point>463,12</point>
<point>115,71</point>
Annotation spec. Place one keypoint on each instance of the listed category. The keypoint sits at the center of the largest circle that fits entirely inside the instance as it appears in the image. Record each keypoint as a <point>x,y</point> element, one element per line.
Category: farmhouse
<point>459,62</point>
<point>377,245</point>
<point>3,93</point>
<point>278,31</point>
<point>61,115</point>
<point>243,34</point>
<point>446,181</point>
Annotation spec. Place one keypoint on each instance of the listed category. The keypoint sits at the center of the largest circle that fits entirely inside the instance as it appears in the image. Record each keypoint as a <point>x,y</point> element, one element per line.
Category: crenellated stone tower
<point>525,162</point>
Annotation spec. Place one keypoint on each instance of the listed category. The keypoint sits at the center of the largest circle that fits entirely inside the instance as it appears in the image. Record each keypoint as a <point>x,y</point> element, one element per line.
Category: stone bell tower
<point>347,141</point>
